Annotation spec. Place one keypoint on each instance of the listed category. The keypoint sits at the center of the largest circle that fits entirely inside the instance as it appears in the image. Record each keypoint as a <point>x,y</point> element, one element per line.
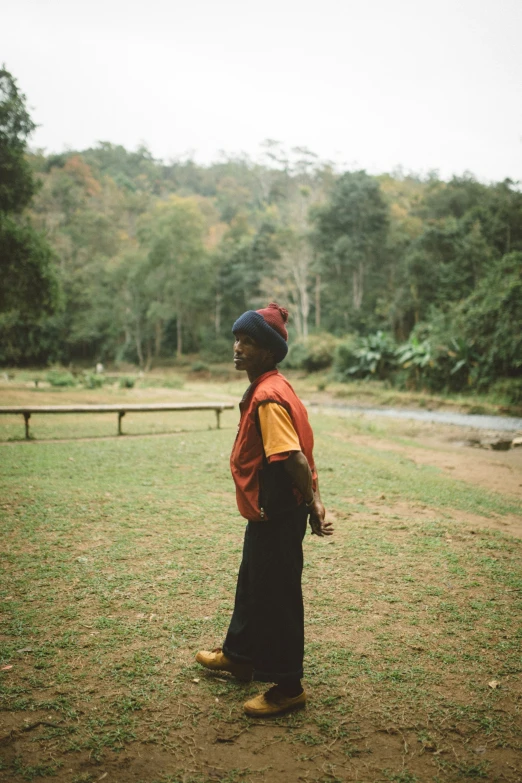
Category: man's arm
<point>298,468</point>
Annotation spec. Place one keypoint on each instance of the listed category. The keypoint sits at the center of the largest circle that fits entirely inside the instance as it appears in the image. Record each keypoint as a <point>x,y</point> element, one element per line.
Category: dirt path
<point>449,450</point>
<point>500,471</point>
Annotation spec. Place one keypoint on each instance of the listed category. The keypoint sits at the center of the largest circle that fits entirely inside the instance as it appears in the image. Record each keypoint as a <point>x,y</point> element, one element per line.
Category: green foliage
<point>29,281</point>
<point>199,367</point>
<point>350,235</point>
<point>244,259</point>
<point>367,357</point>
<point>345,355</point>
<point>156,260</point>
<point>509,389</point>
<point>313,354</point>
<point>215,348</point>
<point>92,381</point>
<point>60,378</point>
<point>172,237</point>
<point>474,342</point>
<point>133,171</point>
<point>415,354</point>
<point>491,318</point>
<point>296,356</point>
<point>432,359</point>
<point>16,180</point>
<point>437,357</point>
<point>29,288</point>
<point>127,383</point>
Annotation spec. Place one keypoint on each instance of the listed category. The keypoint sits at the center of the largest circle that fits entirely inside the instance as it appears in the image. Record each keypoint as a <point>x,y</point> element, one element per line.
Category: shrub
<point>216,349</point>
<point>415,359</point>
<point>127,383</point>
<point>345,356</point>
<point>491,318</point>
<point>438,356</point>
<point>92,381</point>
<point>510,389</point>
<point>60,378</point>
<point>199,367</point>
<point>456,364</point>
<point>366,357</point>
<point>296,356</point>
<point>314,354</point>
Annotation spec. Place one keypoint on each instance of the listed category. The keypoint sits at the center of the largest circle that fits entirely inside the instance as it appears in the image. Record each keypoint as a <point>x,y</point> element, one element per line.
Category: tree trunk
<point>179,336</point>
<point>158,338</point>
<point>298,319</point>
<point>299,262</point>
<point>149,356</point>
<point>415,297</point>
<point>357,278</point>
<point>305,310</point>
<point>139,348</point>
<point>217,315</point>
<point>318,301</point>
<point>296,295</point>
<point>128,338</point>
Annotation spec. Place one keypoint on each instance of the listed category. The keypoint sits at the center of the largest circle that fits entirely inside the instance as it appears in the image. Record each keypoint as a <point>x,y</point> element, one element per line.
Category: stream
<point>474,420</point>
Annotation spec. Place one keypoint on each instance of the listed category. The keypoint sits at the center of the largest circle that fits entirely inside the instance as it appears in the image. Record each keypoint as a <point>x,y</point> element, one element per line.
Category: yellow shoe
<point>273,702</point>
<point>217,661</point>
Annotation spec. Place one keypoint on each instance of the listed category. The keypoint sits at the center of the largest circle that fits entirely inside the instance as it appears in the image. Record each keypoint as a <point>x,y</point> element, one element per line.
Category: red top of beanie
<point>276,317</point>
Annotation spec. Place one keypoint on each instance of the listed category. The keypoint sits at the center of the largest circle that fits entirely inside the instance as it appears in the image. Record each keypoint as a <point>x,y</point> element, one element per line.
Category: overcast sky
<point>369,83</point>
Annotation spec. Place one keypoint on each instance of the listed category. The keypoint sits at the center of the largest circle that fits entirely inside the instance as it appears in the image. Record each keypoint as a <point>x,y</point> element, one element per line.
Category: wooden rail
<point>121,410</point>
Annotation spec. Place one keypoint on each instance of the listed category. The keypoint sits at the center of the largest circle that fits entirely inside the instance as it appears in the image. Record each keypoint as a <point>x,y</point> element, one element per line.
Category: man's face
<point>249,355</point>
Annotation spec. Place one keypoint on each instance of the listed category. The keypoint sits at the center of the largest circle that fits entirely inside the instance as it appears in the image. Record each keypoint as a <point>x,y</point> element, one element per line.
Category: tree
<point>29,283</point>
<point>300,186</point>
<point>16,179</point>
<point>292,283</point>
<point>466,229</point>
<point>244,258</point>
<point>290,280</point>
<point>491,320</point>
<point>131,305</point>
<point>351,235</point>
<point>29,286</point>
<point>175,266</point>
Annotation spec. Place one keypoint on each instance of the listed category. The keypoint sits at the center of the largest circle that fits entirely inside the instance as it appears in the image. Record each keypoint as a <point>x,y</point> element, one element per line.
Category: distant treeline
<point>150,260</point>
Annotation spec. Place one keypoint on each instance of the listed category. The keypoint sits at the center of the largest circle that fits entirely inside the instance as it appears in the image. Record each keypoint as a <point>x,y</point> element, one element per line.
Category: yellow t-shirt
<point>277,430</point>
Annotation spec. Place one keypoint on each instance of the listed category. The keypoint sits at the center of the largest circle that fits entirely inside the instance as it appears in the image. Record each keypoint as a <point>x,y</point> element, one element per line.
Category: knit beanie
<point>267,328</point>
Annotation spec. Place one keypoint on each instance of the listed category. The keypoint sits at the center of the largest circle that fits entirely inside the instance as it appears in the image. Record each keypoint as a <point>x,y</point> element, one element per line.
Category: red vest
<point>263,489</point>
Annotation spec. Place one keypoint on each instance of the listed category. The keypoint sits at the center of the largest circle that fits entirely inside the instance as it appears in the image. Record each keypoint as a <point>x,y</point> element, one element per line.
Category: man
<point>277,491</point>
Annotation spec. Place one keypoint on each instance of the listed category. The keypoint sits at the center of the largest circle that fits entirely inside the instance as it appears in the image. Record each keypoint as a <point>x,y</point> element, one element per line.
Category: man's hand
<point>298,468</point>
<point>318,523</point>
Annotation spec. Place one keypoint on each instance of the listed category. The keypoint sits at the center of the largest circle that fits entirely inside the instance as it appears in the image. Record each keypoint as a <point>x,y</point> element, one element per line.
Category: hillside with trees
<point>110,255</point>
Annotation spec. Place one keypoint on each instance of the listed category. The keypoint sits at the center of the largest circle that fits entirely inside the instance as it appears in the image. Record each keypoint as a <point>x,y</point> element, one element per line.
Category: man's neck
<point>253,375</point>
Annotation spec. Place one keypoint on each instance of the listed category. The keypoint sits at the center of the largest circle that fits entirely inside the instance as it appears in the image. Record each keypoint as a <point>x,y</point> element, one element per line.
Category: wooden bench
<point>121,410</point>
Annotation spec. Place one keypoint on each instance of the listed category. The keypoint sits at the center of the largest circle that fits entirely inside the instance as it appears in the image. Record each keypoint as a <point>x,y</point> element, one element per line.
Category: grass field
<point>118,562</point>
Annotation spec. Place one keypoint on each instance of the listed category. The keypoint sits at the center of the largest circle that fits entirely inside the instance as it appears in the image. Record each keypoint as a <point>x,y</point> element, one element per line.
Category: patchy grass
<point>118,562</point>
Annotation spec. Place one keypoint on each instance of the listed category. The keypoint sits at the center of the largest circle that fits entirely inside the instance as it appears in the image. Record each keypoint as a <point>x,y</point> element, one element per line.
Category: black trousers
<point>267,625</point>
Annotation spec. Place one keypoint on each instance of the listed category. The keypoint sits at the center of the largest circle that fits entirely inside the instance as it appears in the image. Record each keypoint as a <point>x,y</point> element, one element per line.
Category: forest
<point>110,255</point>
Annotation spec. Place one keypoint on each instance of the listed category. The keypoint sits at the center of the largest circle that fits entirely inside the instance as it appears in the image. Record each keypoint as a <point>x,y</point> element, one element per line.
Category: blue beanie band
<point>253,324</point>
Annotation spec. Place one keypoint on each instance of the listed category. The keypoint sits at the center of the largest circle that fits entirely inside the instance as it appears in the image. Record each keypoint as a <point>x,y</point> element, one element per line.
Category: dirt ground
<point>370,741</point>
<point>451,451</point>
